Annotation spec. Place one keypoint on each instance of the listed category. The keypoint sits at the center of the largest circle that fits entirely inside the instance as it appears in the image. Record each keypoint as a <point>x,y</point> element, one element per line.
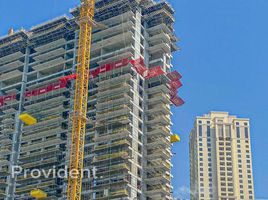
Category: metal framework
<point>80,101</point>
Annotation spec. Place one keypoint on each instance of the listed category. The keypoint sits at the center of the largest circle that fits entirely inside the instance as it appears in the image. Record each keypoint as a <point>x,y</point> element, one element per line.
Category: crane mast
<point>80,100</point>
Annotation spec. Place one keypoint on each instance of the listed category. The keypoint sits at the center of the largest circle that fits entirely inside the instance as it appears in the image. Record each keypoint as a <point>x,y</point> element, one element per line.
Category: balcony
<point>114,144</point>
<point>5,141</point>
<point>10,75</point>
<point>3,163</point>
<point>2,193</point>
<point>36,164</point>
<point>160,153</point>
<point>163,88</point>
<point>166,121</point>
<point>11,66</point>
<point>51,45</point>
<point>53,102</point>
<point>113,112</point>
<point>123,88</point>
<point>112,169</point>
<point>113,194</point>
<point>10,111</point>
<point>106,84</point>
<point>5,150</point>
<point>118,100</point>
<point>159,98</point>
<point>158,164</point>
<point>159,108</point>
<point>49,64</point>
<point>8,130</point>
<point>115,134</point>
<point>112,30</point>
<point>156,191</point>
<point>24,158</point>
<point>44,125</point>
<point>27,188</point>
<point>158,131</point>
<point>11,57</point>
<point>114,40</point>
<point>157,142</point>
<point>8,120</point>
<point>41,134</point>
<point>41,144</point>
<point>118,183</point>
<point>49,55</point>
<point>161,37</point>
<point>158,178</point>
<point>162,47</point>
<point>105,157</point>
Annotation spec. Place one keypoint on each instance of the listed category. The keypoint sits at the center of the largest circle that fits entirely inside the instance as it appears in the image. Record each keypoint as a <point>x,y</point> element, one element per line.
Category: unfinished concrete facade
<point>129,103</point>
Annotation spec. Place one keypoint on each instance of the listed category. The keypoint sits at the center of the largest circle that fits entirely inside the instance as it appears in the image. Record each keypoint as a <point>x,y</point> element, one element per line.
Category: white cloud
<point>182,193</point>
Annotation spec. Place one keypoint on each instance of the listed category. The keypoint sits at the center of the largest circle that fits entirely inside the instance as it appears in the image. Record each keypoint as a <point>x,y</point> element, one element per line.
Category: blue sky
<point>223,61</point>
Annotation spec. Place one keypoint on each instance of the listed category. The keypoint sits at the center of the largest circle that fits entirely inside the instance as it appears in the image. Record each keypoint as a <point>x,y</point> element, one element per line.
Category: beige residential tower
<point>220,158</point>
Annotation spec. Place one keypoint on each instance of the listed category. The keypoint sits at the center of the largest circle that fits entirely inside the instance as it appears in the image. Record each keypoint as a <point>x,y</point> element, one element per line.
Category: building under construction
<point>131,90</point>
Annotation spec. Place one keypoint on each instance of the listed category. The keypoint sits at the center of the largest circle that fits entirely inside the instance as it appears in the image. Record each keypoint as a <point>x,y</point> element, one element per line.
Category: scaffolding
<point>131,90</point>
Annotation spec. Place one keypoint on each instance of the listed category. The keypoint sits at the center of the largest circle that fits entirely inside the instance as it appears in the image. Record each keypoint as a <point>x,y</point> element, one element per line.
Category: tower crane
<point>80,99</point>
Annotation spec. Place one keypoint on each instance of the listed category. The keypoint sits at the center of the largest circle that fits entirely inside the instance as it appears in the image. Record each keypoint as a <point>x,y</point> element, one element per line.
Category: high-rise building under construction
<point>132,86</point>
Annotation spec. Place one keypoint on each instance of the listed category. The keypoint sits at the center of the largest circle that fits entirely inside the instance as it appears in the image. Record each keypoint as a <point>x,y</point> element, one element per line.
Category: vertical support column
<point>136,100</point>
<point>16,140</point>
<point>144,140</point>
<point>137,36</point>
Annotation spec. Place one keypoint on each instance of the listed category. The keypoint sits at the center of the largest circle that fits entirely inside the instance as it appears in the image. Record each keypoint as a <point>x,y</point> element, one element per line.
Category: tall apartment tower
<point>220,158</point>
<point>132,87</point>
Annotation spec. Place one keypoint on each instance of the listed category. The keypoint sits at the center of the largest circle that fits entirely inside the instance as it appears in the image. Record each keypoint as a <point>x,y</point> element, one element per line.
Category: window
<point>208,131</point>
<point>228,131</point>
<point>200,130</point>
<point>237,132</point>
<point>220,131</point>
<point>246,132</point>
